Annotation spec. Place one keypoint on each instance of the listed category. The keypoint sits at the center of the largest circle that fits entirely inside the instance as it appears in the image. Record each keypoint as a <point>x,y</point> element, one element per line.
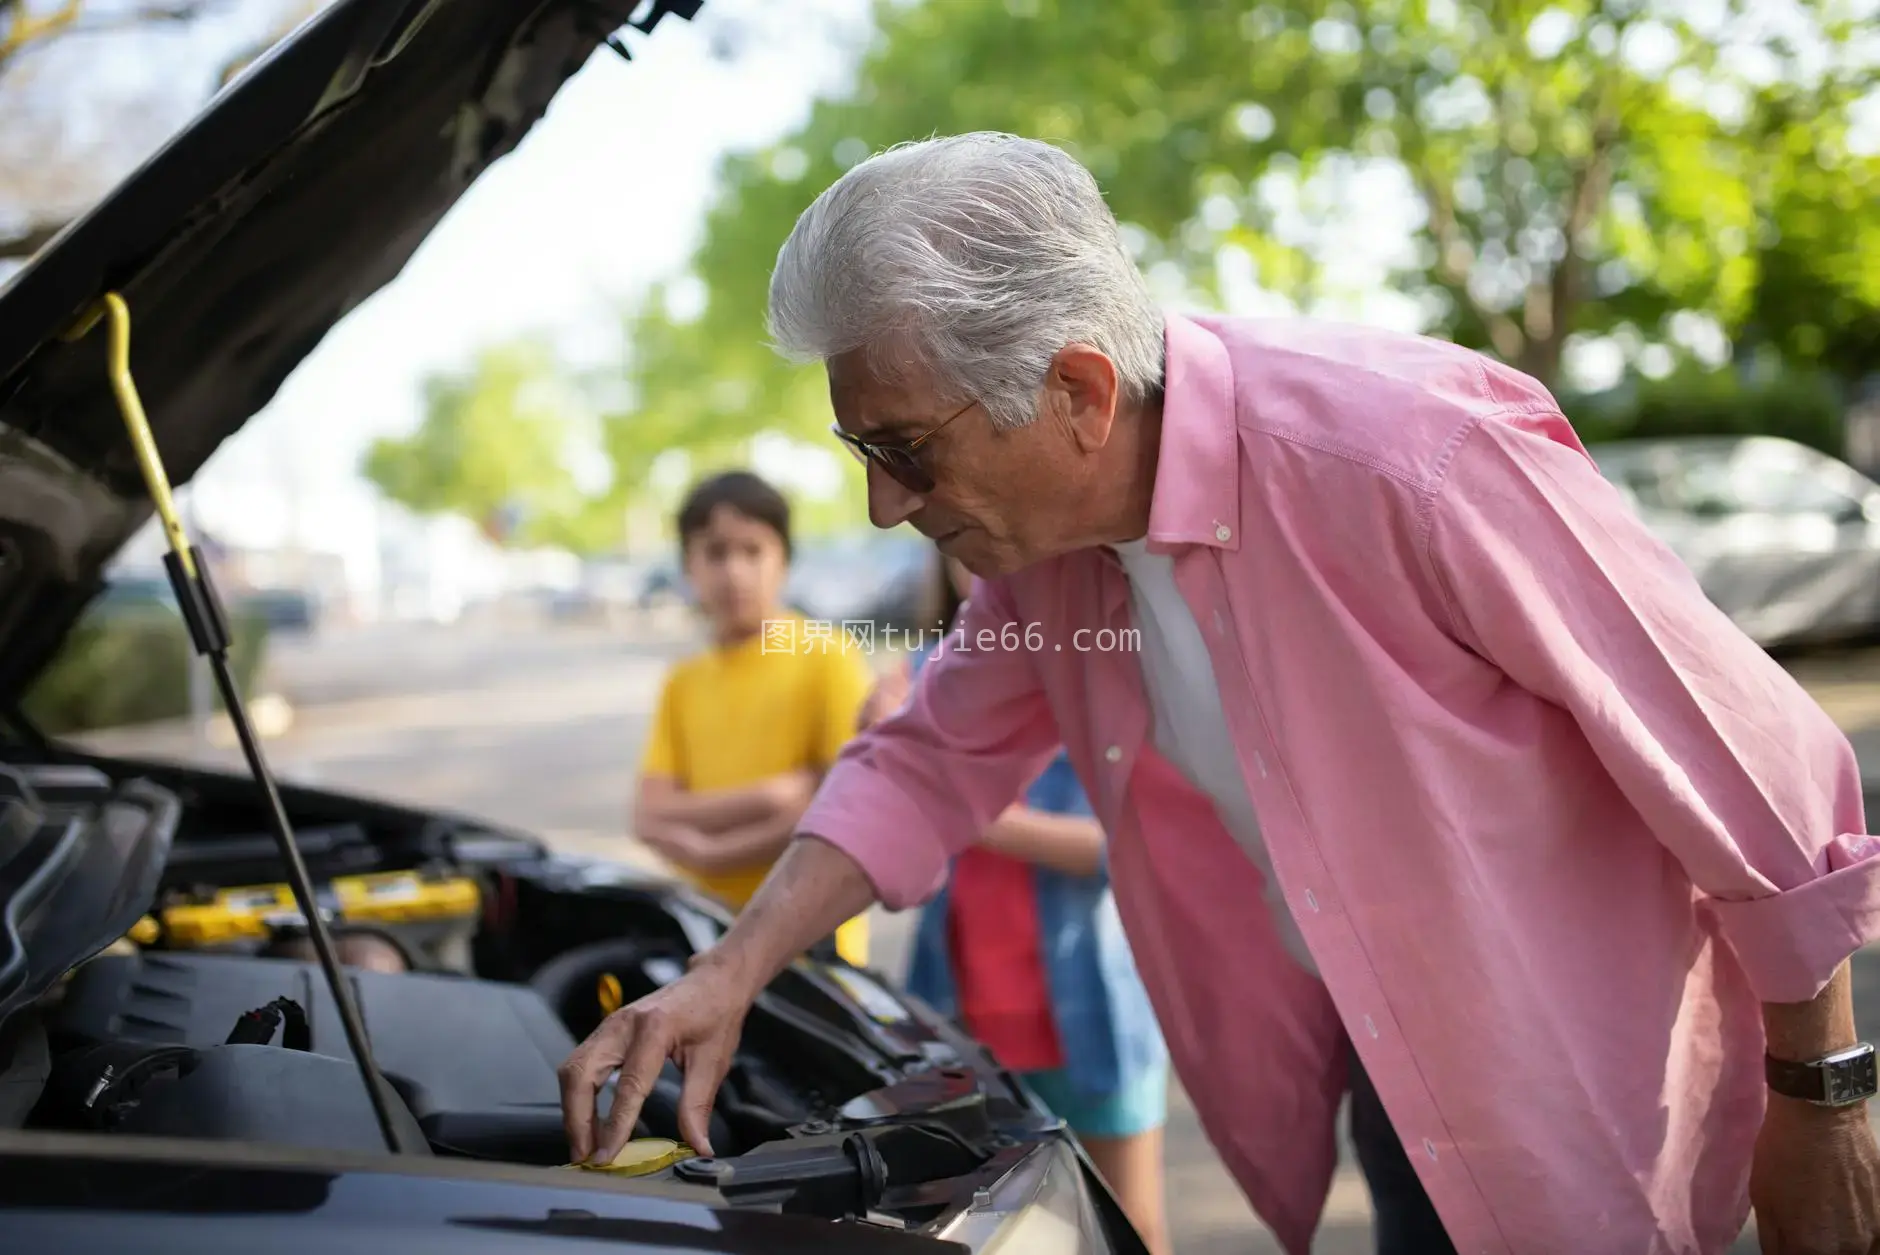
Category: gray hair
<point>974,259</point>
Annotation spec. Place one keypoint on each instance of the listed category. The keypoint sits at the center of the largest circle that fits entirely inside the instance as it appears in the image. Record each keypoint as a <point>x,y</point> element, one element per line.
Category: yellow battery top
<point>404,897</point>
<point>252,912</point>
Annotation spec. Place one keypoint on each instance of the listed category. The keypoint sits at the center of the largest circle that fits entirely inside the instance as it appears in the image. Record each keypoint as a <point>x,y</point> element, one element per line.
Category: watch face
<point>1852,1077</point>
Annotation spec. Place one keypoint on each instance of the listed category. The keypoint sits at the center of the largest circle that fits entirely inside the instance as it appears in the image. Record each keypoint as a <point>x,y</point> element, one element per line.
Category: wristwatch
<point>1837,1080</point>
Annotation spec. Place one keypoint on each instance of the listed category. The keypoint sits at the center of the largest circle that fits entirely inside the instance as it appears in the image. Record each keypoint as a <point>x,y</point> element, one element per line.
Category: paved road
<point>540,729</point>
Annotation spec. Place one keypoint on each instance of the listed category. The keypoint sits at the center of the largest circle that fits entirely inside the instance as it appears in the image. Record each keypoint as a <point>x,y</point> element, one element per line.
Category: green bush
<point>1695,401</point>
<point>132,666</point>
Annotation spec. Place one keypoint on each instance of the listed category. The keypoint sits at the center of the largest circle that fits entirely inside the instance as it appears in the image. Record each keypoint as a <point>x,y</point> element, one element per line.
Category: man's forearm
<point>1801,1031</point>
<point>812,890</point>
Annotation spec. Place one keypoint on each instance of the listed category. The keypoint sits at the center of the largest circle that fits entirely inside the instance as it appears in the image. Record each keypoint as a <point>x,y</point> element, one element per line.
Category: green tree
<point>1817,297</point>
<point>1572,167</point>
<point>494,446</point>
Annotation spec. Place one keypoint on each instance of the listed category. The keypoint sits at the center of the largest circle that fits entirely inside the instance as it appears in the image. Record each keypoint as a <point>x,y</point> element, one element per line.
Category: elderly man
<point>1428,773</point>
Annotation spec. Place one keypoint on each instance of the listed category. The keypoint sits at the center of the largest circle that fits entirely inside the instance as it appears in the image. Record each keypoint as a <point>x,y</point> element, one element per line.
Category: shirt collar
<point>1196,499</point>
<point>1197,472</point>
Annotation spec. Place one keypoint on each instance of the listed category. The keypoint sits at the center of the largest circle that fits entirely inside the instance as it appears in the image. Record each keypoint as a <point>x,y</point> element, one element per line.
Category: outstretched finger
<point>645,1055</point>
<point>704,1068</point>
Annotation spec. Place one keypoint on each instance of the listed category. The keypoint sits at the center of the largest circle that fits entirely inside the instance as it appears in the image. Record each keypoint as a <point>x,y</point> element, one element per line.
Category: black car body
<point>165,1085</point>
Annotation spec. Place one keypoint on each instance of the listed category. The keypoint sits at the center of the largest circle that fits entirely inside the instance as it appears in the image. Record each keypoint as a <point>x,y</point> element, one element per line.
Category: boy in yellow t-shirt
<point>745,730</point>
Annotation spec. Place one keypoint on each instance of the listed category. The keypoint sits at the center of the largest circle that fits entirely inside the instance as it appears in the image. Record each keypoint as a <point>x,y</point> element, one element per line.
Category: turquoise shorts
<point>1139,1105</point>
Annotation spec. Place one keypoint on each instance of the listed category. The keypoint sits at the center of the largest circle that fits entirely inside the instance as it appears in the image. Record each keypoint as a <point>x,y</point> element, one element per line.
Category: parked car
<point>664,585</point>
<point>284,610</point>
<point>171,1079</point>
<point>863,579</point>
<point>1783,538</point>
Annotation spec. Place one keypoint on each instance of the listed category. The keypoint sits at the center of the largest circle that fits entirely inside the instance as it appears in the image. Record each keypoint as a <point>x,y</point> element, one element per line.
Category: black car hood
<point>155,1196</point>
<point>300,191</point>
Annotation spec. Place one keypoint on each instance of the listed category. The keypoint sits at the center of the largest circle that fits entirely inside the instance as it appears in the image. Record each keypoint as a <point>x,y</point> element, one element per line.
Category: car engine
<point>474,1061</point>
<point>198,1022</point>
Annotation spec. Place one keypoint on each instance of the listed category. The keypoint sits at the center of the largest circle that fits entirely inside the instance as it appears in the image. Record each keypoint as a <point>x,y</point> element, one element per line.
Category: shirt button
<point>1113,754</point>
<point>1259,764</point>
<point>1312,903</point>
<point>1223,533</point>
<point>1370,1026</point>
<point>1429,1148</point>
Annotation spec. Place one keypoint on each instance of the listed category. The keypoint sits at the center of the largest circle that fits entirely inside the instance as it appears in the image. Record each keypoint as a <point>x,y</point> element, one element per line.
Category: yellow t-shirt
<point>728,717</point>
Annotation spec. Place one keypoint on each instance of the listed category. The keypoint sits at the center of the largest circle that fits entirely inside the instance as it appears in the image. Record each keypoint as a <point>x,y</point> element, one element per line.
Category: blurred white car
<point>1783,538</point>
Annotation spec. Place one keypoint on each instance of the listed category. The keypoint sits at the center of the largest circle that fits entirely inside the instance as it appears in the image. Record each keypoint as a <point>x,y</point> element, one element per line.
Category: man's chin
<point>972,551</point>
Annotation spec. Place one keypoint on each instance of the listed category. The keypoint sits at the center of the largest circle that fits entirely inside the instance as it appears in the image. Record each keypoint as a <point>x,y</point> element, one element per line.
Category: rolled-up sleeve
<point>1549,575</point>
<point>922,784</point>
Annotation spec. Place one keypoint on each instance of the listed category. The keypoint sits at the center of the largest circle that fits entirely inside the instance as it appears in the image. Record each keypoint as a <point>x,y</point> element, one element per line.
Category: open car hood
<point>301,190</point>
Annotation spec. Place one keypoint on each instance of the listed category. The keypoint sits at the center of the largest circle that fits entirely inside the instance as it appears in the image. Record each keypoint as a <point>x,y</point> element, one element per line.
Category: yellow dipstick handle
<point>119,315</point>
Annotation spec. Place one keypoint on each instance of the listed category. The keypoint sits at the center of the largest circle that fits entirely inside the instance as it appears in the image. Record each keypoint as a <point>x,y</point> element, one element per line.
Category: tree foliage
<point>1817,299</point>
<point>1694,400</point>
<point>1571,167</point>
<point>495,446</point>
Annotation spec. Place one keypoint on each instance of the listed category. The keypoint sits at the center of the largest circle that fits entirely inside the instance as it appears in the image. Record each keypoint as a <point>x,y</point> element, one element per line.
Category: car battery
<point>433,917</point>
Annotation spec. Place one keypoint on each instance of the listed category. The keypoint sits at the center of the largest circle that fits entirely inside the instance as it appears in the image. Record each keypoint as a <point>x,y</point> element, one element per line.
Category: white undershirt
<point>1190,726</point>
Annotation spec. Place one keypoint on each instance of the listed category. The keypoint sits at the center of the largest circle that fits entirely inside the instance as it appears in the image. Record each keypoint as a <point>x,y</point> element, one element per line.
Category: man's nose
<point>890,503</point>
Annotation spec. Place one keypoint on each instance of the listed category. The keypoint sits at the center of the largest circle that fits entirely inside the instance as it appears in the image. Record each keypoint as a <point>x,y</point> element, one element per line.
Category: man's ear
<point>1082,381</point>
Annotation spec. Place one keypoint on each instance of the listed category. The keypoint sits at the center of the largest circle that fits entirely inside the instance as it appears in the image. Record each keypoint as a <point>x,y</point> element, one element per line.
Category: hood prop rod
<point>208,629</point>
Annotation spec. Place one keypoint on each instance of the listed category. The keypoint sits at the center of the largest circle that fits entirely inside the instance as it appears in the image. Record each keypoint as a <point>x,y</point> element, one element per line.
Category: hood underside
<point>298,193</point>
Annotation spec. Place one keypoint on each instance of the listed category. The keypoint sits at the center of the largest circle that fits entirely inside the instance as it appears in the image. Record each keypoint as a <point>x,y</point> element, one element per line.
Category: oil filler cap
<point>642,1157</point>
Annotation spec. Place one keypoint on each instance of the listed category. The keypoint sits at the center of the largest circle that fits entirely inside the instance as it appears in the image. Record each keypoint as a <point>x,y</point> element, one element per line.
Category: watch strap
<point>1805,1081</point>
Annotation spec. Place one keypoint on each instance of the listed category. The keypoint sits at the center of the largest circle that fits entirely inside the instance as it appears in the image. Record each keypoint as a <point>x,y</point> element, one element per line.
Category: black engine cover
<point>475,1061</point>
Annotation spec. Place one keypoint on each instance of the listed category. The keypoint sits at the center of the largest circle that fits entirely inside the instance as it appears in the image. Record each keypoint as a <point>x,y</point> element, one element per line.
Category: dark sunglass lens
<point>907,470</point>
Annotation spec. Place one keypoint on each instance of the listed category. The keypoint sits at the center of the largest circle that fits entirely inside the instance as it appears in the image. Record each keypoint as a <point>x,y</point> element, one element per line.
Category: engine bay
<point>478,959</point>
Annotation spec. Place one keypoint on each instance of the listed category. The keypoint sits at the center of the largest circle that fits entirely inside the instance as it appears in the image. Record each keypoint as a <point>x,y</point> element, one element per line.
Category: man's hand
<point>695,1022</point>
<point>1815,1181</point>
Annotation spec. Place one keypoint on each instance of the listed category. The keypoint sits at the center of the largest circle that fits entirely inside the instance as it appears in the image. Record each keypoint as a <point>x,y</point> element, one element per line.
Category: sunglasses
<point>897,457</point>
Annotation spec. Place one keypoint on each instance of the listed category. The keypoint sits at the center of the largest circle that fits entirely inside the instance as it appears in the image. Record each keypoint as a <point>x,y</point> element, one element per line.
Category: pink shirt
<point>1551,826</point>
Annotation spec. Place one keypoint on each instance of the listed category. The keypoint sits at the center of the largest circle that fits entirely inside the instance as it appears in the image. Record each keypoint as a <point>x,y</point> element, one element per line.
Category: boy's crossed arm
<point>721,810</point>
<point>721,829</point>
